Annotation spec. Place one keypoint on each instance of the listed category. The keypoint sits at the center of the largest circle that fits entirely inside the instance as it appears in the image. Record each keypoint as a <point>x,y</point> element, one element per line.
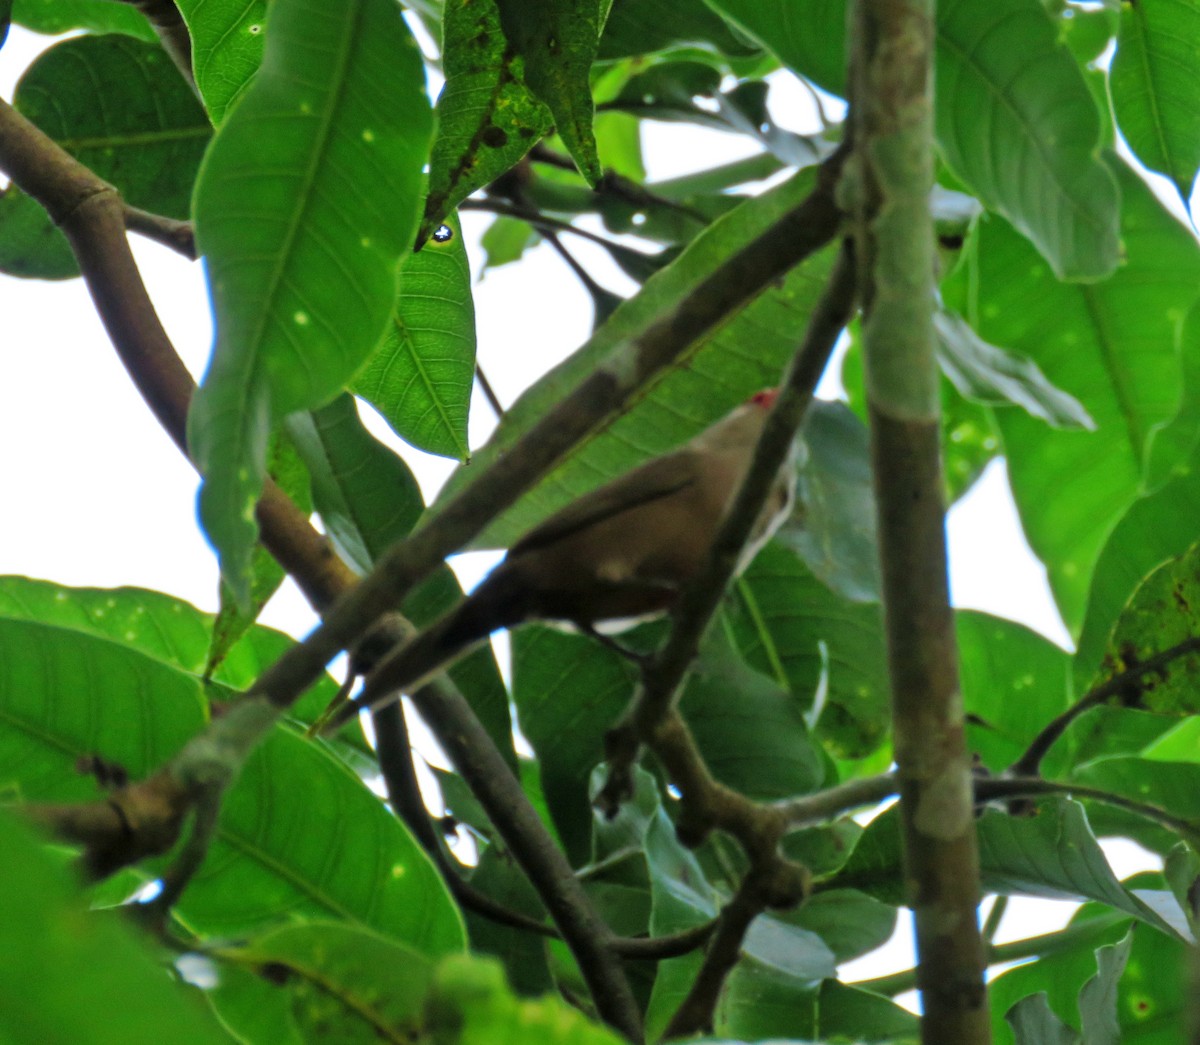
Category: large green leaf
<point>558,40</point>
<point>160,626</point>
<point>1162,613</point>
<point>420,378</point>
<point>1013,681</point>
<point>986,374</point>
<point>144,133</point>
<point>306,200</point>
<point>340,983</point>
<point>744,355</point>
<point>54,17</point>
<point>487,118</point>
<point>832,528</point>
<point>470,1004</point>
<point>227,48</point>
<point>1153,80</point>
<point>637,27</point>
<point>281,845</point>
<point>1054,854</point>
<point>67,974</point>
<point>1113,347</point>
<point>1173,446</point>
<point>1154,529</point>
<point>792,628</point>
<point>1014,118</point>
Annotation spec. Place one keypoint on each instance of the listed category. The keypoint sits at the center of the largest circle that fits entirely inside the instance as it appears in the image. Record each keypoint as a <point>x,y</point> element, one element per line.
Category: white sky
<point>95,494</point>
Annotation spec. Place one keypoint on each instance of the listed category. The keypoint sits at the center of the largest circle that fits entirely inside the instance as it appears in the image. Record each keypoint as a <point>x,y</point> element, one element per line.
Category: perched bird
<point>624,550</point>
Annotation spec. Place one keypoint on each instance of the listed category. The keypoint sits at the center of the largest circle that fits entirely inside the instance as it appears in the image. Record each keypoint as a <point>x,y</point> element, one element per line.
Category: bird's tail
<point>410,665</point>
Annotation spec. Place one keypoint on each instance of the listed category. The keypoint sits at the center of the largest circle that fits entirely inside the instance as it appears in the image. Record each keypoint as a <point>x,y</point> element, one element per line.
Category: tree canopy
<point>992,216</point>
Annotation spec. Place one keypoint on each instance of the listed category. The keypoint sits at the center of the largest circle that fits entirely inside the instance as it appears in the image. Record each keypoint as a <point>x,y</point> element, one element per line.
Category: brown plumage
<point>623,550</point>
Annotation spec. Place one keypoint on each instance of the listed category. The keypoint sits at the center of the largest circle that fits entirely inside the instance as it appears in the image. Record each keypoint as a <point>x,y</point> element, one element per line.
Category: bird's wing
<point>657,478</point>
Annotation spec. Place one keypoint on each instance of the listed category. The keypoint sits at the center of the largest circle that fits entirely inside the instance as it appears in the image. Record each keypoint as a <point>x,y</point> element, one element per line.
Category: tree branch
<point>172,32</point>
<point>695,1014</point>
<point>892,114</point>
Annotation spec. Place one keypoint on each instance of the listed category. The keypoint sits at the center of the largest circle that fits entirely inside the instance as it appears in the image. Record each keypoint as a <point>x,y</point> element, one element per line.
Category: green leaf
<point>732,711</point>
<point>789,626</point>
<point>1013,682</point>
<point>290,475</point>
<point>505,240</point>
<point>833,526</point>
<point>746,354</point>
<point>1155,529</point>
<point>1173,445</point>
<point>558,40</point>
<point>993,376</point>
<point>636,27</point>
<point>302,302</point>
<point>807,35</point>
<point>1164,611</point>
<point>67,696</point>
<point>1148,1004</point>
<point>339,853</point>
<point>341,981</point>
<point>487,119</point>
<point>1153,82</point>
<point>498,876</point>
<point>5,19</point>
<point>227,49</point>
<point>1111,346</point>
<point>997,66</point>
<point>52,948</point>
<point>1054,854</point>
<point>470,1004</point>
<point>31,245</point>
<point>420,378</point>
<point>567,690</point>
<point>758,1004</point>
<point>1098,999</point>
<point>1038,164</point>
<point>162,627</point>
<point>1034,1023</point>
<point>145,134</point>
<point>54,17</point>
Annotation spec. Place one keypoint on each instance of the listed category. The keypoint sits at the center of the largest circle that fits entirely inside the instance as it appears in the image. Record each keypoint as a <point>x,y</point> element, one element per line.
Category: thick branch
<point>891,102</point>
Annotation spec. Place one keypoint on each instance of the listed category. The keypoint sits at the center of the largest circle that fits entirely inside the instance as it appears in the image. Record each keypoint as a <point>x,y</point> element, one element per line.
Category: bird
<point>623,551</point>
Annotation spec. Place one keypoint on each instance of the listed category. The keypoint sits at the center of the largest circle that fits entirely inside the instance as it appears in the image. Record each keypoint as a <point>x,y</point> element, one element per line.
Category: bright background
<point>94,493</point>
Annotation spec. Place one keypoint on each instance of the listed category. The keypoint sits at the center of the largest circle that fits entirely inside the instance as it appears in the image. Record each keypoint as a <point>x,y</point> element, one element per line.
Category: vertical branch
<point>892,104</point>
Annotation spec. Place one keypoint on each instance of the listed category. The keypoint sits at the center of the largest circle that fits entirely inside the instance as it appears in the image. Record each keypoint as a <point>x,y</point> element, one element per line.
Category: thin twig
<point>991,789</point>
<point>179,236</point>
<point>1030,763</point>
<point>542,222</point>
<point>695,1014</point>
<point>835,801</point>
<point>489,393</point>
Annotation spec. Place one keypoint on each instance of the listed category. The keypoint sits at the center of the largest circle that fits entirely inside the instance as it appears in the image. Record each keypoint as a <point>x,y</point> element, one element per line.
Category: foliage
<point>324,181</point>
